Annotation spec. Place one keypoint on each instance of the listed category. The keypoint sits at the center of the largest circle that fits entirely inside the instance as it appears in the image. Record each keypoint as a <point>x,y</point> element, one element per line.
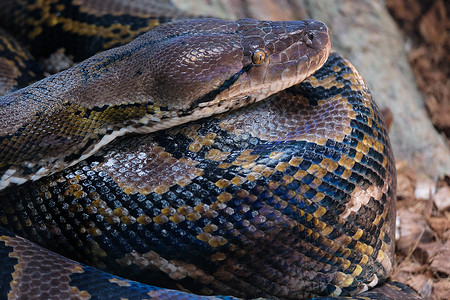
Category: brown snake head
<point>173,74</point>
<point>231,64</point>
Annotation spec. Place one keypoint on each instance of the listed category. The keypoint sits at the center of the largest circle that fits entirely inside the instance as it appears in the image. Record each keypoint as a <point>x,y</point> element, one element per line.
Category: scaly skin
<point>293,197</point>
<point>214,65</point>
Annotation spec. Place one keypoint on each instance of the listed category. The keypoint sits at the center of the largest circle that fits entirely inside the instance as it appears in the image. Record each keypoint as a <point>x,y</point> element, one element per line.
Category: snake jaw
<point>294,50</point>
<point>220,66</point>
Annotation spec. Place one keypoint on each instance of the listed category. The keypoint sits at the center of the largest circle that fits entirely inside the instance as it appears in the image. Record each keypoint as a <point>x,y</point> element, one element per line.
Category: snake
<point>205,157</point>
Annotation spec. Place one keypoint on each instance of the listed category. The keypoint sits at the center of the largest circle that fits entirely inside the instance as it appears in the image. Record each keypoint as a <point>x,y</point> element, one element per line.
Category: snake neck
<point>213,66</point>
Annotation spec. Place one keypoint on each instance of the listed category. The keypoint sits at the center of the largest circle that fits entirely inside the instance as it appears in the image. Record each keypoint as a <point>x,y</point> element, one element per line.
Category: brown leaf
<point>413,229</point>
<point>422,284</point>
<point>406,181</point>
<point>441,290</point>
<point>439,224</point>
<point>432,25</point>
<point>441,260</point>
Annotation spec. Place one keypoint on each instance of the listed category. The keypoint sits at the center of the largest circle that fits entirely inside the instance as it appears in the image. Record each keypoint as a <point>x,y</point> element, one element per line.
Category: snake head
<point>209,66</point>
<point>277,55</point>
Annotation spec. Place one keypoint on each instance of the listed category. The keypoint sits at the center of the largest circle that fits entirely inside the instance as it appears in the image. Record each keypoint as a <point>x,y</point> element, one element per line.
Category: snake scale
<point>290,197</point>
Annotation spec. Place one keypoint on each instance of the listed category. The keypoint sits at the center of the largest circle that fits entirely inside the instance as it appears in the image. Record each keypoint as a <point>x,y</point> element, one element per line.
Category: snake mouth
<point>220,99</point>
<point>305,47</point>
<point>315,45</point>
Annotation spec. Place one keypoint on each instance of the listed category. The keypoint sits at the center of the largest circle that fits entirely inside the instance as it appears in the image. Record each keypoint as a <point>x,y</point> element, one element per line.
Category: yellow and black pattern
<point>81,27</point>
<point>292,198</point>
<point>62,278</point>
<point>17,67</point>
<point>68,116</point>
<point>37,273</point>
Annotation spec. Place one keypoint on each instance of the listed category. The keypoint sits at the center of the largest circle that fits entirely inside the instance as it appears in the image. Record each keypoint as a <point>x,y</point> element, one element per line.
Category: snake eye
<point>258,56</point>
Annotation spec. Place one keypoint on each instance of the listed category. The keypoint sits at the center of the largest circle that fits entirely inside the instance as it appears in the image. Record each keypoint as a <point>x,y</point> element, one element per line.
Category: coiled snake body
<point>290,197</point>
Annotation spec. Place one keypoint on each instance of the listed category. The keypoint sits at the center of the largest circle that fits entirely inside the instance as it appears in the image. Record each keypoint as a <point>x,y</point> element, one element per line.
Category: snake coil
<point>290,197</point>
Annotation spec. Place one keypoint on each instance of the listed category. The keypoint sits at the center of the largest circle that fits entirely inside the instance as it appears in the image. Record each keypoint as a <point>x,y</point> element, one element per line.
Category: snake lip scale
<point>210,63</point>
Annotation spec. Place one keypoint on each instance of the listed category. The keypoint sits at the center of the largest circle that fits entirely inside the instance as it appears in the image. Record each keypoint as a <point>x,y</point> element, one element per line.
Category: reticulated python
<point>291,197</point>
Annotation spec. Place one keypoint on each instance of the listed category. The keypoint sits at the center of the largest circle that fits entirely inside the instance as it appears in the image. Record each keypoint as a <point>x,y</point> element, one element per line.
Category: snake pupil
<point>258,57</point>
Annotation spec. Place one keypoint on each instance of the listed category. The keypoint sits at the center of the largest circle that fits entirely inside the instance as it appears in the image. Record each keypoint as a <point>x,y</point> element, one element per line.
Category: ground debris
<point>423,226</point>
<point>426,24</point>
<point>423,234</point>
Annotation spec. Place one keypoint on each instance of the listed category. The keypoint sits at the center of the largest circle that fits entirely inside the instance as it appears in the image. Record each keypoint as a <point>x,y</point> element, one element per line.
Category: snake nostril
<point>310,36</point>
